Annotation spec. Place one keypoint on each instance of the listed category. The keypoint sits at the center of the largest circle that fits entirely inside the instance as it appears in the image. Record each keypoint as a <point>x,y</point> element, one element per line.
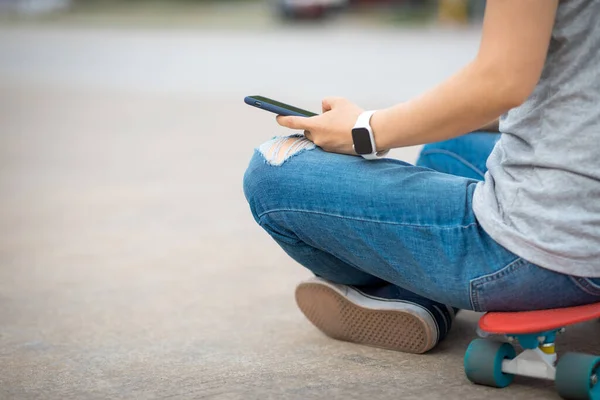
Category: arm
<point>515,39</point>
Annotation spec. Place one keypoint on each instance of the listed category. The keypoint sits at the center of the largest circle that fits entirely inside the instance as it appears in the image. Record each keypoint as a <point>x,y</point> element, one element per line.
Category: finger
<point>308,135</point>
<point>329,102</point>
<point>293,122</point>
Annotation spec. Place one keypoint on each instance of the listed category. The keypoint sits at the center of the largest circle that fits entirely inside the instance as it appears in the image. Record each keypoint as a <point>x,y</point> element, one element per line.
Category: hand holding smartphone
<point>277,107</point>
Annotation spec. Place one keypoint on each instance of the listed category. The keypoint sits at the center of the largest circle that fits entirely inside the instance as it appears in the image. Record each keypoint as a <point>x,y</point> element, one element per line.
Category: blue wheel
<point>483,363</point>
<point>578,377</point>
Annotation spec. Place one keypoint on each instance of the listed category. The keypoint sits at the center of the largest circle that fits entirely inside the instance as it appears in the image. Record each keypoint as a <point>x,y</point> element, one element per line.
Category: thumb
<point>329,103</point>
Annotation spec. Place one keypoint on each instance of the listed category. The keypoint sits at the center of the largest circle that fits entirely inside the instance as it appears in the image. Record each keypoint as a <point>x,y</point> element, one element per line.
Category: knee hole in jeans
<point>279,149</point>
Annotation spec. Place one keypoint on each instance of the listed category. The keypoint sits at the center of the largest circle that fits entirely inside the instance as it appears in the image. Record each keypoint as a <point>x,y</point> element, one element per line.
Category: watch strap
<point>375,156</point>
<point>364,121</point>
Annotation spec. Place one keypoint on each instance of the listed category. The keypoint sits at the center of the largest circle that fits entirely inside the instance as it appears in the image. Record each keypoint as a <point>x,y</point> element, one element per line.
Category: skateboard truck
<point>495,364</point>
<point>538,358</point>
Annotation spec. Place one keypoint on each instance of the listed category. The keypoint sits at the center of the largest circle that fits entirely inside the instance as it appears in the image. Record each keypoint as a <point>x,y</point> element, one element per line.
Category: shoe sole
<point>339,318</point>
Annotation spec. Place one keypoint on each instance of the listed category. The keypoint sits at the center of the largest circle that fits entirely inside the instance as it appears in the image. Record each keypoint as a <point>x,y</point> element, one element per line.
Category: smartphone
<point>276,107</point>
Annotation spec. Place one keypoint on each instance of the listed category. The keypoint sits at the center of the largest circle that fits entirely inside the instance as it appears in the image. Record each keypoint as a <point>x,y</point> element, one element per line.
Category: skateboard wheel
<point>578,377</point>
<point>483,363</point>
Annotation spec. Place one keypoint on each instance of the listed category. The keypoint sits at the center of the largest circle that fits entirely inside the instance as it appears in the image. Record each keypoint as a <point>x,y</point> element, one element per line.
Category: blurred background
<point>130,266</point>
<point>447,10</point>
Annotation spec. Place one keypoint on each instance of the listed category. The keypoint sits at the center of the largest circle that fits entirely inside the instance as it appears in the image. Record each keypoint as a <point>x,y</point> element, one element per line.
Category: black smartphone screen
<point>283,105</point>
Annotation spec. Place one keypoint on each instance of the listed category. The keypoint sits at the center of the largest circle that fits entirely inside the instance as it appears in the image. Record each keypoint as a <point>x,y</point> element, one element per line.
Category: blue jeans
<point>362,223</point>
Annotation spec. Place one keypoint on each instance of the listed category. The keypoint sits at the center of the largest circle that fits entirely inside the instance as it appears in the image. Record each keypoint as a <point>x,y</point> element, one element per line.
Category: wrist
<point>378,125</point>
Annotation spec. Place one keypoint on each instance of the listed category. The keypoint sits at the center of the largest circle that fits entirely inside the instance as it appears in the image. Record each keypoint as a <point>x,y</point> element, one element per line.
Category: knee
<point>473,145</point>
<point>430,154</point>
<point>463,156</point>
<point>424,159</point>
<point>278,150</point>
<point>265,180</point>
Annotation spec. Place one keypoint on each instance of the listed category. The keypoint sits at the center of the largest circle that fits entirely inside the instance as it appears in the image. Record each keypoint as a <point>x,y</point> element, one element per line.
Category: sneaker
<point>385,317</point>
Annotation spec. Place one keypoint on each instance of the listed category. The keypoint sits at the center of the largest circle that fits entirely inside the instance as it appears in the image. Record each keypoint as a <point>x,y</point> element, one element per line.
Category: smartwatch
<point>362,136</point>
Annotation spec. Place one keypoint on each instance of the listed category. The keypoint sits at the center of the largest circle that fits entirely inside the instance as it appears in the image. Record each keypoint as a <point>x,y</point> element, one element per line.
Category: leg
<point>325,265</point>
<point>406,225</point>
<point>368,223</point>
<point>364,224</point>
<point>464,156</point>
<point>319,262</point>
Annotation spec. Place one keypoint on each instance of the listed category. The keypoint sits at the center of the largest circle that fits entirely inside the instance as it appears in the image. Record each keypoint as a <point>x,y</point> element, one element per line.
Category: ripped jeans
<point>361,223</point>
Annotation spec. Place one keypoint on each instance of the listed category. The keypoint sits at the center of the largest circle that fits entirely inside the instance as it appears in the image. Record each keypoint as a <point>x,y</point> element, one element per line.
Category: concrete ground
<point>130,266</point>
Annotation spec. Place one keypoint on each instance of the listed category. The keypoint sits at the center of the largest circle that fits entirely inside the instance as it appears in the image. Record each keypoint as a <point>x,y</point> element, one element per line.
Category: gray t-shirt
<point>541,194</point>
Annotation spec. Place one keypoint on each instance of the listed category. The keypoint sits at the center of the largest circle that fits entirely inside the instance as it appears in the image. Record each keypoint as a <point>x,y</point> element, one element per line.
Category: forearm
<point>465,102</point>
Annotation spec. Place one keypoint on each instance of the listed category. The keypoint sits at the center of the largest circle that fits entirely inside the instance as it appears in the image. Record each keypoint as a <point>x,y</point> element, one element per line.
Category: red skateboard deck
<point>537,321</point>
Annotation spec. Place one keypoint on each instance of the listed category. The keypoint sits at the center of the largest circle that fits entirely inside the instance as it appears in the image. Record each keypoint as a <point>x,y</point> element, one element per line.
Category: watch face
<point>362,141</point>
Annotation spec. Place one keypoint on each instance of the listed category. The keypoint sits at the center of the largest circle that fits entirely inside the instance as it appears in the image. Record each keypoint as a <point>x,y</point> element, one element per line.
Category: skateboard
<point>492,363</point>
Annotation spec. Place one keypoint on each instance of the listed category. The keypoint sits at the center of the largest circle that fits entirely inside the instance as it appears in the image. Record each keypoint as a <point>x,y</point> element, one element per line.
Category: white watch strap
<point>375,156</point>
<point>364,121</point>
